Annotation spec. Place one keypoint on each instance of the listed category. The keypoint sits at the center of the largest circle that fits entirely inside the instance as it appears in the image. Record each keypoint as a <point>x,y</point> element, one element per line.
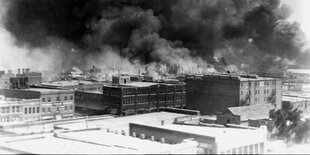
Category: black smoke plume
<point>252,35</point>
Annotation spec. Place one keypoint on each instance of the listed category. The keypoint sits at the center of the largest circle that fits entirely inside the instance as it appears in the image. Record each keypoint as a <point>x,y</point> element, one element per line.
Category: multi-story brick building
<point>21,80</point>
<point>33,78</point>
<point>213,94</point>
<point>139,97</point>
<point>55,103</point>
<point>89,103</point>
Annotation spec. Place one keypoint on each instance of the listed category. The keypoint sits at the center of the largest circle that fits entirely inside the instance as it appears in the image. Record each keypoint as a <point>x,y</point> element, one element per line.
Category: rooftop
<point>249,77</point>
<point>67,83</point>
<point>122,123</point>
<point>295,94</point>
<point>89,142</point>
<point>259,111</point>
<point>299,71</point>
<point>46,90</point>
<point>224,137</point>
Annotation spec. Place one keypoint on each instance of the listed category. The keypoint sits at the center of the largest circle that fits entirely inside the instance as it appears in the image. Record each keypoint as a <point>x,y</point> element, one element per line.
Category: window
<point>43,99</point>
<point>38,110</point>
<point>2,110</point>
<point>66,97</point>
<point>7,109</point>
<point>49,99</point>
<point>48,109</point>
<point>25,110</point>
<point>34,109</point>
<point>57,110</point>
<point>17,108</point>
<point>71,97</point>
<point>29,110</point>
<point>13,109</point>
<point>43,110</point>
<point>57,99</point>
<point>71,107</point>
<point>66,108</point>
<point>241,84</point>
<point>241,93</point>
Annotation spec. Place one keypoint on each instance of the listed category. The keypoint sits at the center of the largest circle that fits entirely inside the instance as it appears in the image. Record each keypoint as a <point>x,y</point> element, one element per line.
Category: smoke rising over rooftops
<point>251,35</point>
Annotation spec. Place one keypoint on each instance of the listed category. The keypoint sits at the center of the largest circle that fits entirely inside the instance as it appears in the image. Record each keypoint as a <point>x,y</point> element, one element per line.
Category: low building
<point>86,142</point>
<point>55,103</point>
<point>213,94</point>
<point>242,115</point>
<point>139,97</point>
<point>298,101</point>
<point>212,140</point>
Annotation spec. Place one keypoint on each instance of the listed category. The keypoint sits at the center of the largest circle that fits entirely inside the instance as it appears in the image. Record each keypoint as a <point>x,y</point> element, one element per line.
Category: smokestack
<point>23,71</point>
<point>18,70</point>
<point>27,70</point>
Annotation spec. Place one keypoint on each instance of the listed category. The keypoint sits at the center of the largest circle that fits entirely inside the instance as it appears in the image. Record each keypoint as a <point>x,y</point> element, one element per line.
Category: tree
<point>288,125</point>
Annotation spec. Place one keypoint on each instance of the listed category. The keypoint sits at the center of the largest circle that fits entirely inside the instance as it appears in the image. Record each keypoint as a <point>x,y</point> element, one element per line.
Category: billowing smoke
<point>252,35</point>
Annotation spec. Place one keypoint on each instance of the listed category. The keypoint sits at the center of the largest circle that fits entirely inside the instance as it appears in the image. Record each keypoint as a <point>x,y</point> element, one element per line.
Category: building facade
<point>212,140</point>
<point>89,103</point>
<point>55,103</point>
<point>19,110</point>
<point>140,97</point>
<point>213,94</point>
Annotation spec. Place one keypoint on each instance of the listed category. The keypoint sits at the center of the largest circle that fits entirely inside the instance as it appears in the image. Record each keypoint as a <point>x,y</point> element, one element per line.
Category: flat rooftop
<point>295,94</point>
<point>86,142</point>
<point>224,137</point>
<point>67,83</point>
<point>46,90</point>
<point>236,77</point>
<point>122,123</point>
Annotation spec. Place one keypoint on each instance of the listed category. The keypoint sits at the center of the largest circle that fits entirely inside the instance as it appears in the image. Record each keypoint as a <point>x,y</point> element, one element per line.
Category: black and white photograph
<point>154,77</point>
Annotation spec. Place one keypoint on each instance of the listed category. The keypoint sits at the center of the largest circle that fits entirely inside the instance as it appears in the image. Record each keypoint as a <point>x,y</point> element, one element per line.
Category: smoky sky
<point>138,28</point>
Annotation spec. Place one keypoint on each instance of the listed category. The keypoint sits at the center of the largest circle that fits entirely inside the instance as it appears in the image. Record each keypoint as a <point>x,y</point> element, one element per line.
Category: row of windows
<point>266,91</point>
<point>251,149</point>
<point>143,100</point>
<point>261,83</point>
<point>48,109</point>
<point>15,109</point>
<point>57,98</point>
<point>32,110</point>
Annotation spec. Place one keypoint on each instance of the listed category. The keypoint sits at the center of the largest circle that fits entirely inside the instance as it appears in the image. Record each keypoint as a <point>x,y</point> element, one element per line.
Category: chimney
<point>23,71</point>
<point>18,70</point>
<point>27,70</point>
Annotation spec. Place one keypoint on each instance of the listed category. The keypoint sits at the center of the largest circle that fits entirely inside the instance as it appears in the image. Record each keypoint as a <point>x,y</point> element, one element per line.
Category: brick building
<point>89,103</point>
<point>139,97</point>
<point>55,103</point>
<point>21,80</point>
<point>213,94</point>
<point>33,78</point>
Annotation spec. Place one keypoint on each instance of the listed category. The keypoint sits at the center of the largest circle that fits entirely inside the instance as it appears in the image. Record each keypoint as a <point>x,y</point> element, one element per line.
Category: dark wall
<point>20,94</point>
<point>212,95</point>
